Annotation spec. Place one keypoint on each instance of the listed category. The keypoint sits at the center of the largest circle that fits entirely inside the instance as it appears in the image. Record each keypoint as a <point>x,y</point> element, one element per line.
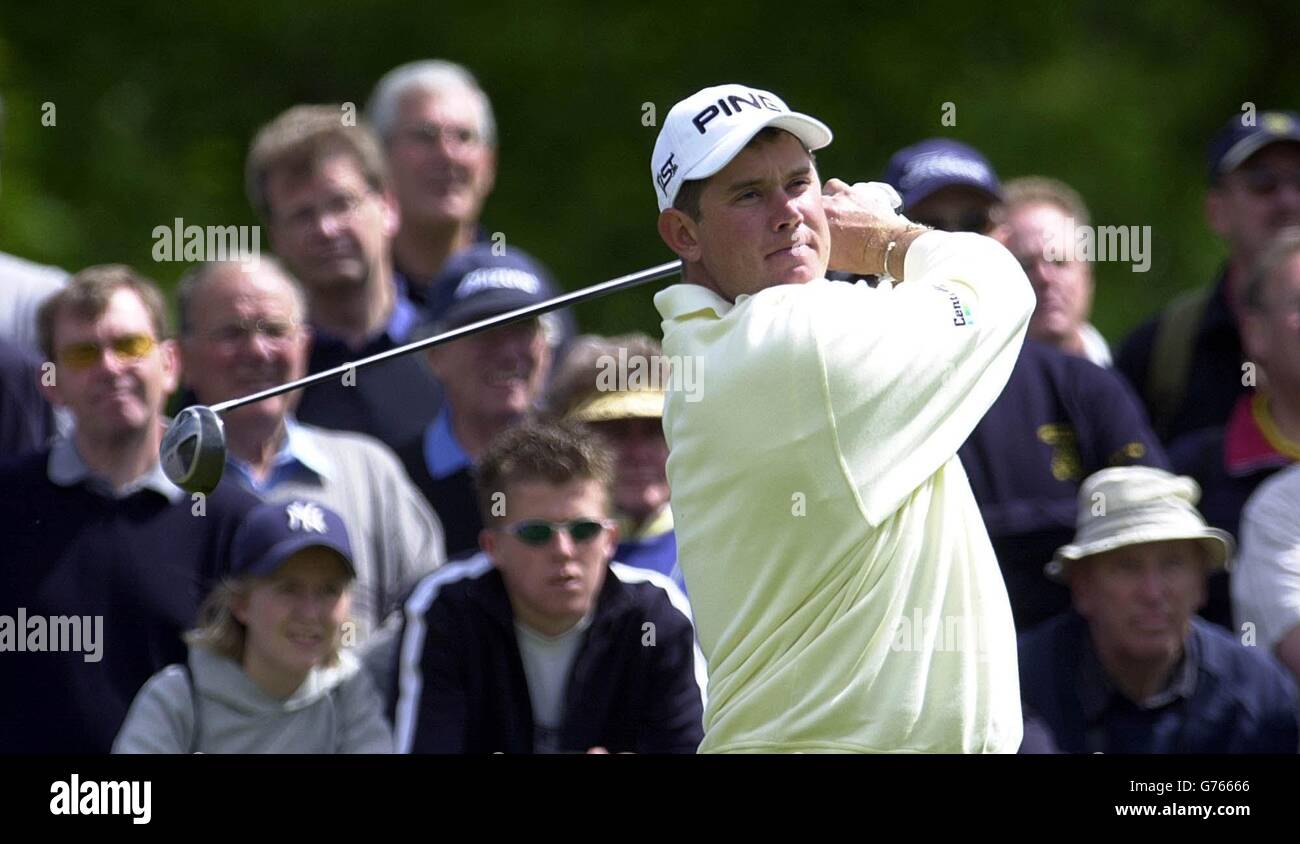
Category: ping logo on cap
<point>306,516</point>
<point>730,105</point>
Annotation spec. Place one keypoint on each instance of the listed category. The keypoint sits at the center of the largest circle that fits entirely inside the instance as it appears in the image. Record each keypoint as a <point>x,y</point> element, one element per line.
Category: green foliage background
<point>156,102</point>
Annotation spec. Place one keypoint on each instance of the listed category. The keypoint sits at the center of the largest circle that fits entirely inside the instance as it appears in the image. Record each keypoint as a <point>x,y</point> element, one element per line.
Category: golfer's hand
<point>863,219</point>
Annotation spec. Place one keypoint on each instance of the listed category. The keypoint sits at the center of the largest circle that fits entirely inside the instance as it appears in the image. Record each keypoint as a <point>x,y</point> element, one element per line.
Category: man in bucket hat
<point>1131,669</point>
<point>616,385</point>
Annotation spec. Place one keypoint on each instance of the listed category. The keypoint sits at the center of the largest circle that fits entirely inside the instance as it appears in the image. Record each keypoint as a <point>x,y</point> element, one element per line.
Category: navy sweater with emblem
<point>141,563</point>
<point>1060,419</point>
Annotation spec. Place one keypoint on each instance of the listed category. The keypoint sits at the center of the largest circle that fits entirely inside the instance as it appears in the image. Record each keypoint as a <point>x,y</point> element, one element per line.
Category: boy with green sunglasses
<point>542,643</point>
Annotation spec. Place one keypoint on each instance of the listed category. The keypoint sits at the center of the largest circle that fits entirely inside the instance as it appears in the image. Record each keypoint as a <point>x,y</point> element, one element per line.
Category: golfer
<point>846,593</point>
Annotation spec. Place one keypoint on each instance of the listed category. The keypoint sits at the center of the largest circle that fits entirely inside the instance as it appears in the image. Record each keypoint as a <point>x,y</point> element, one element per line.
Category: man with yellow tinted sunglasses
<point>106,561</point>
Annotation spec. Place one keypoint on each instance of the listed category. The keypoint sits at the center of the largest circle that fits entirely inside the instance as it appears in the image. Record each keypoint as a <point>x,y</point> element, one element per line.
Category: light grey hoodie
<point>335,710</point>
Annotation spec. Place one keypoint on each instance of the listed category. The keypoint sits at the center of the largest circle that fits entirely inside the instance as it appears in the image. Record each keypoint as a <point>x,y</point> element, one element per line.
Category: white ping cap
<point>703,132</point>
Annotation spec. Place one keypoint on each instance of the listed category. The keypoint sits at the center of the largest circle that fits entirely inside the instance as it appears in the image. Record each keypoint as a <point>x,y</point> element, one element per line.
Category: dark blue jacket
<point>1243,701</point>
<point>393,401</point>
<point>1214,374</point>
<point>461,684</point>
<point>1059,419</point>
<point>454,498</point>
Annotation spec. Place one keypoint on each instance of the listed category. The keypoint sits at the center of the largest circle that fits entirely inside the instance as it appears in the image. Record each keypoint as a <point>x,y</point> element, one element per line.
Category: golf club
<point>193,451</point>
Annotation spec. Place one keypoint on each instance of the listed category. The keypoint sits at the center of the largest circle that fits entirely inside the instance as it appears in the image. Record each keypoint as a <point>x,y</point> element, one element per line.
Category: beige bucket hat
<point>1132,505</point>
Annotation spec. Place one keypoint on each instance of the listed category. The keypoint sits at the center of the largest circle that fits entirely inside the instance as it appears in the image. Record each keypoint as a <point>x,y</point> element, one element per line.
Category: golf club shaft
<point>576,297</point>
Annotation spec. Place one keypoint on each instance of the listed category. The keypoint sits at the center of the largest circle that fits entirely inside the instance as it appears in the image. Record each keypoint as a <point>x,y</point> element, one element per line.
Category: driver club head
<point>193,451</point>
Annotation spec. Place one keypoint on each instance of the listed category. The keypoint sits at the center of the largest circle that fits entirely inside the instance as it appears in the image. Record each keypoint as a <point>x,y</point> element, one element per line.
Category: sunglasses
<point>1264,182</point>
<point>128,347</point>
<point>537,532</point>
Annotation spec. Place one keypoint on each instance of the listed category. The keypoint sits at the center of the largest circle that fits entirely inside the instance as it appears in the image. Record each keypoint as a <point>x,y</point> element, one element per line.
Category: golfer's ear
<point>680,233</point>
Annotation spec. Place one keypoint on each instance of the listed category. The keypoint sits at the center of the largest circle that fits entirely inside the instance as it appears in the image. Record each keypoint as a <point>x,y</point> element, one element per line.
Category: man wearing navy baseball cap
<point>946,185</point>
<point>490,380</point>
<point>1254,193</point>
<point>516,269</point>
<point>824,522</point>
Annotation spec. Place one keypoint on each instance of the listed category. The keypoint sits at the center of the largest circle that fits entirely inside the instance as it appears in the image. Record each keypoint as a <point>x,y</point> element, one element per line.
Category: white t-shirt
<point>845,591</point>
<point>547,662</point>
<point>1265,578</point>
<point>1095,347</point>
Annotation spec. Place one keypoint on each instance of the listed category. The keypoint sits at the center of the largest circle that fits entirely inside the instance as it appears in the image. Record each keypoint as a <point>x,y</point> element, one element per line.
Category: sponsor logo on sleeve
<point>961,312</point>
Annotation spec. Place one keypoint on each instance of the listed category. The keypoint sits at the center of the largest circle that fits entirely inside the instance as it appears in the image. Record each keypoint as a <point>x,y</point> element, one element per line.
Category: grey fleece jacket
<point>335,710</point>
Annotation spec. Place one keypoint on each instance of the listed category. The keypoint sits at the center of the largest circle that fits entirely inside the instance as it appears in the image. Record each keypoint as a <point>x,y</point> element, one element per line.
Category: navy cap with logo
<point>1246,134</point>
<point>921,169</point>
<point>271,533</point>
<point>476,283</point>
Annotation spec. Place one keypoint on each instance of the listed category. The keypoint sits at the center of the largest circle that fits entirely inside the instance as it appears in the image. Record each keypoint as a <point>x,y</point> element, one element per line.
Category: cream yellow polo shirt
<point>846,594</point>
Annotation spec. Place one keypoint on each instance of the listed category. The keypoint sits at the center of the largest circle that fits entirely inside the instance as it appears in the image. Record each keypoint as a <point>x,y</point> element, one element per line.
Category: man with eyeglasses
<point>1038,210</point>
<point>1060,417</point>
<point>105,561</point>
<point>1187,361</point>
<point>543,644</point>
<point>439,134</point>
<point>242,331</point>
<point>320,182</point>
